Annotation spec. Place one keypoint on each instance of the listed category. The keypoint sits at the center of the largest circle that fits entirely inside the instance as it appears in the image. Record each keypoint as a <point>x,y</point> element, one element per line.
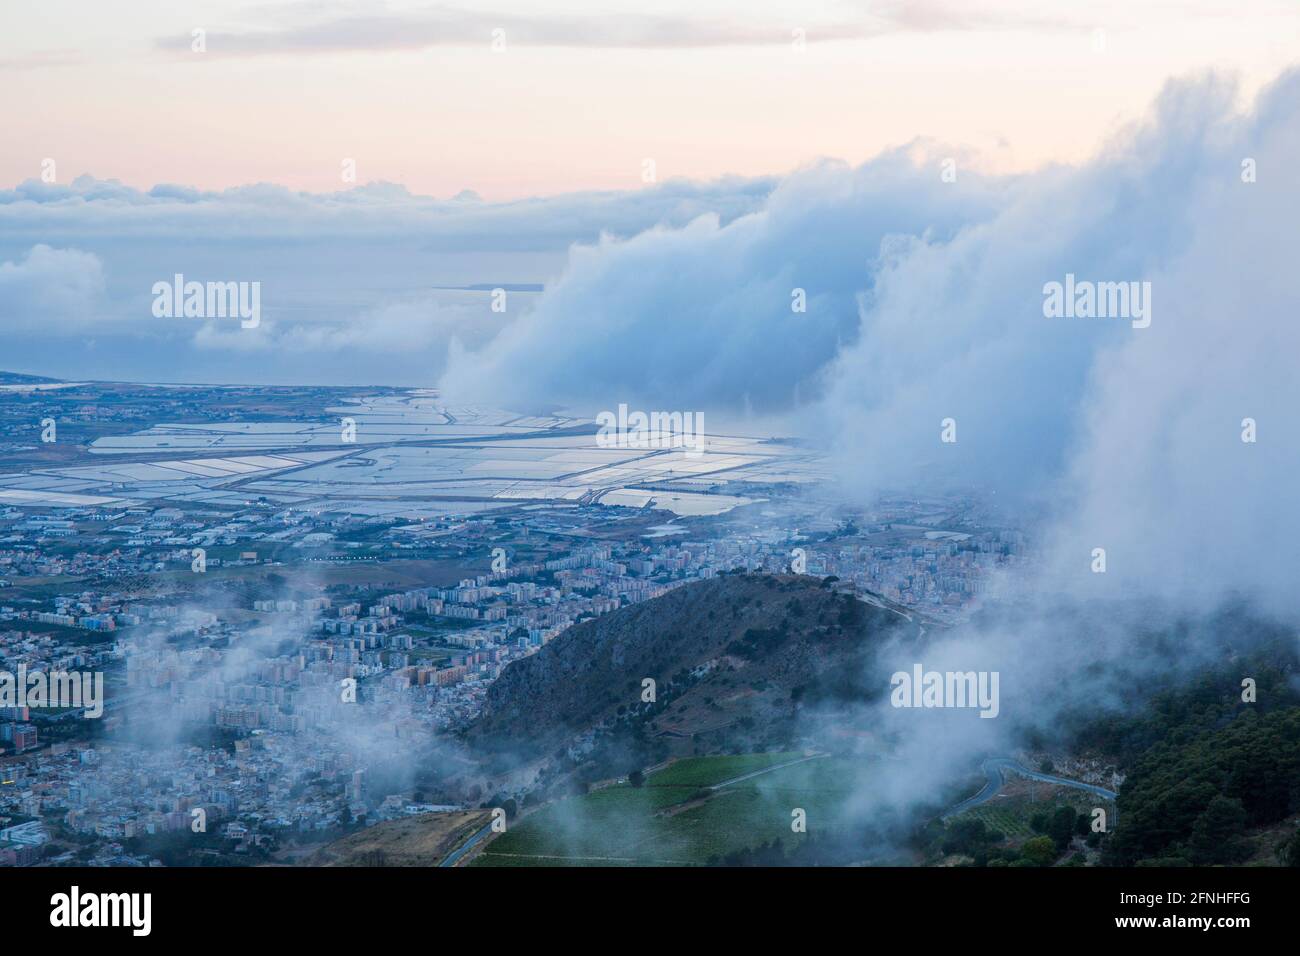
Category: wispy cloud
<point>42,59</point>
<point>337,30</point>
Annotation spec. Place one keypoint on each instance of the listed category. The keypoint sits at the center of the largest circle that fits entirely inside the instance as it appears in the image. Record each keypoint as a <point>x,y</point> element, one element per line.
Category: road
<point>759,773</point>
<point>454,856</point>
<point>995,770</point>
<point>993,783</point>
<point>1014,767</point>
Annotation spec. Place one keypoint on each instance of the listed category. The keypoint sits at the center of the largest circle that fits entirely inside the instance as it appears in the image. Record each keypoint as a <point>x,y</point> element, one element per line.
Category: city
<point>250,649</point>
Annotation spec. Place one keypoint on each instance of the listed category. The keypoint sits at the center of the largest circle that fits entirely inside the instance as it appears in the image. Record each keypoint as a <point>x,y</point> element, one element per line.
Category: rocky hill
<point>733,659</point>
<point>17,378</point>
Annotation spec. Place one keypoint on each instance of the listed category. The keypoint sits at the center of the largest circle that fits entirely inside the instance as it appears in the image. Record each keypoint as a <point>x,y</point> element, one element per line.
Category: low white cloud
<point>427,329</point>
<point>746,315</point>
<point>49,289</point>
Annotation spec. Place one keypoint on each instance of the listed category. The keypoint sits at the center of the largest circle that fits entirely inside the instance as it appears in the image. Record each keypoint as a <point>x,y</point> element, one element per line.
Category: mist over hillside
<point>771,664</point>
<point>733,660</point>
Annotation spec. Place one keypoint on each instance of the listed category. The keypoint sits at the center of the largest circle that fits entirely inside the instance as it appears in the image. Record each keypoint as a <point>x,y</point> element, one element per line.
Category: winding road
<point>995,770</point>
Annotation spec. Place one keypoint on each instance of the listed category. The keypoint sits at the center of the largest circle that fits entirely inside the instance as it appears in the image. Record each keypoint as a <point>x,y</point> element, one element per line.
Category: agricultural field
<point>707,771</point>
<point>675,818</point>
<point>1011,815</point>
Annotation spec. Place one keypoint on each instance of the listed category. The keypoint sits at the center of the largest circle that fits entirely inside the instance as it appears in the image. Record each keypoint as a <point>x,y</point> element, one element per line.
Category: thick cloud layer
<point>1173,447</point>
<point>89,208</point>
<point>707,316</point>
<point>926,303</point>
<point>354,284</point>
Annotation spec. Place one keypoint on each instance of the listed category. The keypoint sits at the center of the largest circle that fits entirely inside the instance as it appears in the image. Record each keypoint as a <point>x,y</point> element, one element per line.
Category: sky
<point>581,95</point>
<point>500,147</point>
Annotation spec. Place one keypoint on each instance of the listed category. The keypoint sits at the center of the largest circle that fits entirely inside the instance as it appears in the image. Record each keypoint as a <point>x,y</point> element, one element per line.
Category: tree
<point>1040,851</point>
<point>636,778</point>
<point>966,836</point>
<point>1061,827</point>
<point>1218,836</point>
<point>1288,854</point>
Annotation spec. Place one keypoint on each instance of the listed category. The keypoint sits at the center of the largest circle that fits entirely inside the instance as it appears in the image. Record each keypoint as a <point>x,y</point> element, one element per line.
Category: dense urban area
<point>249,643</point>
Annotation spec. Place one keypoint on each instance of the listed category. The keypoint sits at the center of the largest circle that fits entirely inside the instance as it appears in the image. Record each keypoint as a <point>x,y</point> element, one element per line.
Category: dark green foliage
<point>1219,834</point>
<point>1040,851</point>
<point>1061,827</point>
<point>757,641</point>
<point>1179,713</point>
<point>1187,796</point>
<point>1288,854</point>
<point>970,836</point>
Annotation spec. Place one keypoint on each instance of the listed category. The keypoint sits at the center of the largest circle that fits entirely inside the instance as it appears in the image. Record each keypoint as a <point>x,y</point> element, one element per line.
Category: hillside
<point>18,378</point>
<point>420,840</point>
<point>733,659</point>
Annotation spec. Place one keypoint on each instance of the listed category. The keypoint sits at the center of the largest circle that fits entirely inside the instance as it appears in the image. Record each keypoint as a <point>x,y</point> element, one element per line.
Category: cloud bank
<point>50,286</point>
<point>926,303</point>
<point>358,287</point>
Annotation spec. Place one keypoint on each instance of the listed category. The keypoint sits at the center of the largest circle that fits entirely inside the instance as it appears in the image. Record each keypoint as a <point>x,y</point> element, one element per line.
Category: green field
<point>1012,815</point>
<point>675,819</point>
<point>707,771</point>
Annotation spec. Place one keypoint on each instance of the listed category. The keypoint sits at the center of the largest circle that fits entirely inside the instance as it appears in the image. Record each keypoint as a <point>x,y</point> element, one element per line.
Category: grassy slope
<point>672,820</point>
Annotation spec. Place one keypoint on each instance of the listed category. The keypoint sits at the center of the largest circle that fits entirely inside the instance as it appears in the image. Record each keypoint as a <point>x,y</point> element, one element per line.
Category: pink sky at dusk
<point>415,93</point>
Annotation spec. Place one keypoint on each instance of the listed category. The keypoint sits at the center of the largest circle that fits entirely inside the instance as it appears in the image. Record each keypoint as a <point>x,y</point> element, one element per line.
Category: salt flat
<point>413,455</point>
